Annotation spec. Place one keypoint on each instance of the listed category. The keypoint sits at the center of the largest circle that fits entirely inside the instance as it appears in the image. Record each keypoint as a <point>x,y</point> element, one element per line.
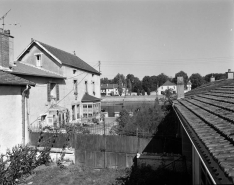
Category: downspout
<point>24,95</point>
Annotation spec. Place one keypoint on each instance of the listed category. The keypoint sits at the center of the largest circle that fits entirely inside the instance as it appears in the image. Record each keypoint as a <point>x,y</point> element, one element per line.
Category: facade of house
<point>206,124</point>
<point>14,94</point>
<point>111,90</point>
<point>67,88</point>
<point>165,86</point>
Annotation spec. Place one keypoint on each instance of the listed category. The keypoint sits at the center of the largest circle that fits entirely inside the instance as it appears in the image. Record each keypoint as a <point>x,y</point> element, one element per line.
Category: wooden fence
<point>99,151</point>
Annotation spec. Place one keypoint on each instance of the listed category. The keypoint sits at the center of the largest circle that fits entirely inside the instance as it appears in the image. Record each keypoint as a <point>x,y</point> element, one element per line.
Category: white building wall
<point>68,89</point>
<point>10,117</point>
<point>163,88</point>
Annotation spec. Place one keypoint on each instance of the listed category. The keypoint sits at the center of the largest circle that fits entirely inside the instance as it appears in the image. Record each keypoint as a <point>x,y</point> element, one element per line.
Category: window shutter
<point>48,92</point>
<point>57,91</point>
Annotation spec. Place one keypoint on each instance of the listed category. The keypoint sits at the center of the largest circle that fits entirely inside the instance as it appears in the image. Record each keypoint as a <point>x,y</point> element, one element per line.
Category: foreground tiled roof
<point>208,112</point>
<point>168,83</point>
<point>9,79</point>
<point>89,98</point>
<point>69,59</point>
<point>26,69</point>
<point>109,86</point>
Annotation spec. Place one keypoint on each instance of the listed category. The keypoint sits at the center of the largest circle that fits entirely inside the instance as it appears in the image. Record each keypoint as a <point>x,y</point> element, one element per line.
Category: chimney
<point>212,78</point>
<point>6,49</point>
<point>180,87</point>
<point>230,74</point>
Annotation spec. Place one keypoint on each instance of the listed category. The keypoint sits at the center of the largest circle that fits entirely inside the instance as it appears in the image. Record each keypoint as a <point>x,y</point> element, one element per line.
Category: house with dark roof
<point>165,86</point>
<point>206,117</point>
<point>61,78</point>
<point>112,90</point>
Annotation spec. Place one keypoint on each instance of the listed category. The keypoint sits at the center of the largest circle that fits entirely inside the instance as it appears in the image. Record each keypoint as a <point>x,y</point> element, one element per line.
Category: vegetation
<point>146,118</point>
<point>150,83</point>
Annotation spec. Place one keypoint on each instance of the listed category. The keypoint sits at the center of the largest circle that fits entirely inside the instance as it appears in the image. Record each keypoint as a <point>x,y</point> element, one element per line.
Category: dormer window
<point>38,60</point>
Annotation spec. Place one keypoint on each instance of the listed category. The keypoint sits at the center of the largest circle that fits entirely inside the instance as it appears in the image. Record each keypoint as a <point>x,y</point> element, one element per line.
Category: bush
<point>19,161</point>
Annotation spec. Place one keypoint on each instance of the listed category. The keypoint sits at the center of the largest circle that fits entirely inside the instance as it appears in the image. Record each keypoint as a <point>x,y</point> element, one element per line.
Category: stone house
<point>167,85</point>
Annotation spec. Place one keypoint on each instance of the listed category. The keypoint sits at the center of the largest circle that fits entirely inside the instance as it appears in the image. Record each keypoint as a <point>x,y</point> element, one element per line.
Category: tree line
<point>150,83</point>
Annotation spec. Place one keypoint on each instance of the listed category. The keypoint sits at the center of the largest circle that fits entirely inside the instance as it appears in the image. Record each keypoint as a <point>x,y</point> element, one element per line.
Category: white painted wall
<point>163,88</point>
<point>10,117</point>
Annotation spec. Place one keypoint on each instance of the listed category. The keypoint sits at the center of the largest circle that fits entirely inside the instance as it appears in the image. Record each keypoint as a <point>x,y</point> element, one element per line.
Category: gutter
<point>211,177</point>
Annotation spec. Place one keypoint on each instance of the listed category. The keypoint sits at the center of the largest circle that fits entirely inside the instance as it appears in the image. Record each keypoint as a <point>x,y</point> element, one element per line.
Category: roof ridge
<point>42,69</point>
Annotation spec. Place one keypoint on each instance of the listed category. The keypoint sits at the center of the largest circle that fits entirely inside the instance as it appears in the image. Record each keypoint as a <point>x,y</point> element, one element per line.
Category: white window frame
<point>38,62</point>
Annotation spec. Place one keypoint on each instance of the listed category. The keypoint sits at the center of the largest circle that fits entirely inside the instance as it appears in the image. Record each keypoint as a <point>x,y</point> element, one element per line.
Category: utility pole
<point>99,64</point>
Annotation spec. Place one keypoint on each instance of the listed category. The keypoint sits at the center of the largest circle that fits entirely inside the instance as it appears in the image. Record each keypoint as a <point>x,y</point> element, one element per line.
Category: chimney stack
<point>230,74</point>
<point>180,87</point>
<point>6,49</point>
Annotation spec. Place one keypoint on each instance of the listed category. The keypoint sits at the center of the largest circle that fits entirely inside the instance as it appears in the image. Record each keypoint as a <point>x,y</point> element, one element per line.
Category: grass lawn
<point>53,175</point>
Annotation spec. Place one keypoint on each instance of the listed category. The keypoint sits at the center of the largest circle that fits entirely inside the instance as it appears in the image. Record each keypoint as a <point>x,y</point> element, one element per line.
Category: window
<point>75,88</point>
<point>52,91</point>
<point>77,111</point>
<point>38,60</point>
<point>86,86</point>
<point>93,88</point>
<point>73,112</point>
<point>74,72</point>
<point>162,88</point>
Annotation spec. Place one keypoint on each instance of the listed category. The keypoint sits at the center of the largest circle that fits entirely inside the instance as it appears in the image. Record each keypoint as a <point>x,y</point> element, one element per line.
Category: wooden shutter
<point>48,92</point>
<point>57,91</point>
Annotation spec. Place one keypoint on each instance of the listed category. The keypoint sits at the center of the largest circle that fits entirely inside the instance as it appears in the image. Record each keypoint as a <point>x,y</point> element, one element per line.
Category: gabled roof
<point>89,98</point>
<point>109,86</point>
<point>168,83</point>
<point>189,83</point>
<point>9,79</point>
<point>207,115</point>
<point>62,57</point>
<point>30,70</point>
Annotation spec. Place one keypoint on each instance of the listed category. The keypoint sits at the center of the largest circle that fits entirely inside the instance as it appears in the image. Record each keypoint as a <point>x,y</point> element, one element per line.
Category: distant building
<point>167,85</point>
<point>111,90</point>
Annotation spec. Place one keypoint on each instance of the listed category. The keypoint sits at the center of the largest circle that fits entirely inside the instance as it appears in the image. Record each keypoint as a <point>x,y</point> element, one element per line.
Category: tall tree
<point>146,83</point>
<point>196,80</point>
<point>162,78</point>
<point>181,74</point>
<point>129,86</point>
<point>117,77</point>
<point>120,86</point>
<point>154,80</point>
<point>106,81</point>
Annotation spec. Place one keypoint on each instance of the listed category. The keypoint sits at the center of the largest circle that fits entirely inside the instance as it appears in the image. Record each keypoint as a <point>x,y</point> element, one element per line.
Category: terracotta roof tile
<point>10,79</point>
<point>89,98</point>
<point>69,59</point>
<point>209,112</point>
<point>26,69</point>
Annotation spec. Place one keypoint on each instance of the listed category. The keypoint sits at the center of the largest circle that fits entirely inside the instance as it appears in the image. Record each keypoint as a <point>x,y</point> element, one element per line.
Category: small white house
<point>167,85</point>
<point>111,90</point>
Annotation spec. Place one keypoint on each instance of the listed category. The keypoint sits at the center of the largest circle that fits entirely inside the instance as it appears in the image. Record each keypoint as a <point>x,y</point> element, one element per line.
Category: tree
<point>181,74</point>
<point>218,76</point>
<point>196,80</point>
<point>143,92</point>
<point>146,83</point>
<point>138,92</point>
<point>123,118</point>
<point>129,86</point>
<point>120,86</point>
<point>162,78</point>
<point>117,77</point>
<point>154,81</point>
<point>106,81</point>
<point>168,93</point>
<point>148,91</point>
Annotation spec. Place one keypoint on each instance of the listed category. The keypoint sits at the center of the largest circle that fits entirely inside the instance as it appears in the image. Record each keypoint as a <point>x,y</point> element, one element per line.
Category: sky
<point>143,38</point>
